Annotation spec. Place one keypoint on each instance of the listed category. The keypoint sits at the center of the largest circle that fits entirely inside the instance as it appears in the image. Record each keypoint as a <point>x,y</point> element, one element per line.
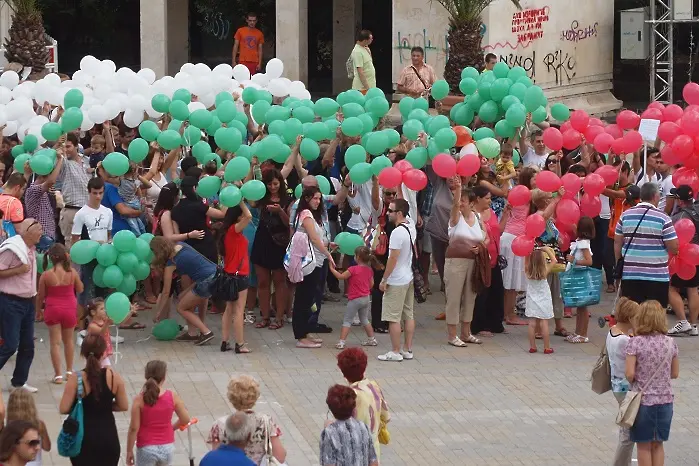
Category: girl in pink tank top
<point>57,292</point>
<point>151,429</point>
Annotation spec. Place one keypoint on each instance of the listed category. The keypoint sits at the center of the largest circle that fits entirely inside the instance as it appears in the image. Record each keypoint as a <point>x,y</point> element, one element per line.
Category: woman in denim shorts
<point>170,256</point>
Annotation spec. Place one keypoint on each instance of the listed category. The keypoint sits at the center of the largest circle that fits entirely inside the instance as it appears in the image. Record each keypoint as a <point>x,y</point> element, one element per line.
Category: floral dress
<point>255,449</point>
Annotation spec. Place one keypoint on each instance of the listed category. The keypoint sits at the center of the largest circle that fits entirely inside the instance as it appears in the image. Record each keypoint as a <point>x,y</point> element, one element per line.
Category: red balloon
<point>657,105</point>
<point>682,146</point>
<point>571,183</point>
<point>669,156</point>
<point>685,175</point>
<point>672,112</point>
<point>415,179</point>
<point>619,146</point>
<point>390,177</point>
<point>553,139</point>
<point>565,127</point>
<point>685,270</point>
<point>608,173</point>
<point>468,165</point>
<point>519,196</point>
<point>548,181</point>
<point>692,161</point>
<point>534,226</point>
<point>522,246</point>
<point>614,130</point>
<point>690,253</point>
<point>632,141</point>
<point>596,122</point>
<point>563,241</point>
<point>593,131</point>
<point>603,142</point>
<point>590,206</point>
<point>579,119</point>
<point>565,227</point>
<point>672,265</point>
<point>463,136</point>
<point>568,212</point>
<point>652,114</point>
<point>444,165</point>
<point>690,123</point>
<point>572,139</point>
<point>626,119</point>
<point>690,93</point>
<point>594,184</point>
<point>403,166</point>
<point>685,231</point>
<point>668,131</point>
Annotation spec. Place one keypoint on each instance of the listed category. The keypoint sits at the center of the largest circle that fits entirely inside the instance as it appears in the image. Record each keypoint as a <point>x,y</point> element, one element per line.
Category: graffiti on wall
<point>528,25</point>
<point>557,66</point>
<point>215,24</point>
<point>577,33</point>
<point>434,44</point>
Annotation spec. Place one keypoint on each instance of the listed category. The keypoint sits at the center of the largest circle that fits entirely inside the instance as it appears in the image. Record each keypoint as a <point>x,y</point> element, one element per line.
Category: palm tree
<point>464,37</point>
<point>27,39</point>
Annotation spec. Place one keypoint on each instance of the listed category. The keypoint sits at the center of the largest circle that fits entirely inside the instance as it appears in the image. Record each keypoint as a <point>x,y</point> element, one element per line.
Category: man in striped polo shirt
<point>643,237</point>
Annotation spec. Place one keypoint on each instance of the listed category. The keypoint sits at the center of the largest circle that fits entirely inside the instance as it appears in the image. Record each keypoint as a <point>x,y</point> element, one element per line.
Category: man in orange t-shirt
<point>249,40</point>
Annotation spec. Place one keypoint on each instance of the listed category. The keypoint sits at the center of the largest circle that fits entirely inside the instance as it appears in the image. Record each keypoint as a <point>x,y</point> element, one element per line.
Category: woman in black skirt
<point>269,247</point>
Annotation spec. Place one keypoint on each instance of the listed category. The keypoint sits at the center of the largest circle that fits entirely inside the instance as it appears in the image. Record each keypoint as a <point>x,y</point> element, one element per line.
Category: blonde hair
<point>650,319</point>
<point>243,392</point>
<point>535,265</point>
<point>21,406</point>
<point>625,310</point>
<point>162,249</point>
<point>540,198</point>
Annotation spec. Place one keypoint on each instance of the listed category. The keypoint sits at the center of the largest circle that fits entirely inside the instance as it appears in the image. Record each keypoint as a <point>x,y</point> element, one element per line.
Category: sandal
<point>308,345</point>
<point>533,350</point>
<point>516,322</point>
<point>548,351</point>
<point>611,289</point>
<point>572,338</point>
<point>381,330</point>
<point>486,333</point>
<point>472,339</point>
<point>132,326</point>
<point>242,349</point>
<point>458,342</point>
<point>262,324</point>
<point>58,380</point>
<point>276,325</point>
<point>561,333</point>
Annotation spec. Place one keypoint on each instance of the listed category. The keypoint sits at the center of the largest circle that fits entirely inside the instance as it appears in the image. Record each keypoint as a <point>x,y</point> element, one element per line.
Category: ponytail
<point>374,262</point>
<point>155,375</point>
<point>151,392</point>
<point>92,350</point>
<point>365,255</point>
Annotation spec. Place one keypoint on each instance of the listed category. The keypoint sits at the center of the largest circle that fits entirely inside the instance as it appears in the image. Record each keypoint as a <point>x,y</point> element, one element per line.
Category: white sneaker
<point>694,332</point>
<point>370,342</point>
<point>407,354</point>
<point>117,340</point>
<point>680,327</point>
<point>356,322</point>
<point>390,356</point>
<point>26,387</point>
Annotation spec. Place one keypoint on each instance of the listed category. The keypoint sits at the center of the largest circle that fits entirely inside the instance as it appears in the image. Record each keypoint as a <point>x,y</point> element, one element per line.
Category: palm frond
<point>467,11</point>
<point>23,7</point>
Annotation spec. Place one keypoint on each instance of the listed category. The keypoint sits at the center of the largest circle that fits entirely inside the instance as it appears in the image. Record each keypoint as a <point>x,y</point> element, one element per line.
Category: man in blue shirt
<point>239,429</point>
<point>113,201</point>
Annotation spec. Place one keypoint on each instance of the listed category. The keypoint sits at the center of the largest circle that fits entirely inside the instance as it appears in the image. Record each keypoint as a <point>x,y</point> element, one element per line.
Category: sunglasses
<point>391,211</point>
<point>552,162</point>
<point>31,443</point>
<point>389,193</point>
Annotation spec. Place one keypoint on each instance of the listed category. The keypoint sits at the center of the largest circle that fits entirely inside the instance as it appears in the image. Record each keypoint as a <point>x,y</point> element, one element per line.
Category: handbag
<point>619,268</point>
<point>384,434</point>
<point>268,459</point>
<point>300,245</point>
<point>580,286</point>
<point>602,373</point>
<point>376,238</point>
<point>419,286</point>
<point>632,402</point>
<point>70,439</point>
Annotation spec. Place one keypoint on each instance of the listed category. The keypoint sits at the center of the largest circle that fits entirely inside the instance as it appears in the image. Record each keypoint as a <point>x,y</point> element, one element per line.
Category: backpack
<point>349,64</point>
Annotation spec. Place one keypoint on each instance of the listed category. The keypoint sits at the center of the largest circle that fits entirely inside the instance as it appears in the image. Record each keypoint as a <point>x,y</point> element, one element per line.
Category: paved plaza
<point>493,404</point>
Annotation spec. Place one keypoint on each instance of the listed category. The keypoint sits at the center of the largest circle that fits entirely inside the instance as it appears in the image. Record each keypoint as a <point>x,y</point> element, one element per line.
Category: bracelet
<point>188,237</point>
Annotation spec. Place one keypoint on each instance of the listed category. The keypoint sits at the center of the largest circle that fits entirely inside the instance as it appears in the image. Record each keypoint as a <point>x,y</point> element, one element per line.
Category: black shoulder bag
<point>430,99</point>
<point>419,285</point>
<point>619,269</point>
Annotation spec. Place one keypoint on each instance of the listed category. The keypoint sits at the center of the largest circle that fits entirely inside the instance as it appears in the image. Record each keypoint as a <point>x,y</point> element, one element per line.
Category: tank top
<point>156,422</point>
<point>61,295</point>
<point>462,230</point>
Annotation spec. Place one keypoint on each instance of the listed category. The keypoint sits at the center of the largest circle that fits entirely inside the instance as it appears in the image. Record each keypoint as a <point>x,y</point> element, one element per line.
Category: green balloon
<point>515,157</point>
<point>230,196</point>
<point>250,95</point>
<point>277,112</point>
<point>264,96</point>
<point>319,131</point>
<point>488,112</point>
<point>83,251</point>
<point>141,248</point>
<point>73,98</point>
<point>209,186</point>
<point>350,243</point>
<point>352,126</point>
<point>406,106</point>
<point>225,111</point>
<point>71,120</point>
<point>223,96</point>
<point>440,89</point>
<point>237,168</point>
<point>518,90</point>
<point>500,89</point>
<point>202,118</point>
<point>532,98</point>
<point>146,237</point>
<point>179,110</point>
<point>445,138</point>
<point>422,103</point>
<point>504,129</point>
<point>352,109</point>
<point>106,255</point>
<point>412,129</point>
<point>354,96</point>
<point>374,92</point>
<point>355,154</point>
<point>291,129</point>
<point>482,133</point>
<point>377,143</point>
<point>228,139</point>
<point>201,149</point>
<point>303,114</point>
<point>464,115</point>
<point>191,135</point>
<point>18,150</point>
<point>470,72</point>
<point>508,101</point>
<point>98,276</point>
<point>116,164</point>
<point>168,329</point>
<point>526,81</point>
<point>484,89</point>
<point>516,72</point>
<point>297,191</point>
<point>128,285</point>
<point>439,122</point>
<point>488,147</point>
<point>124,241</point>
<point>169,139</point>
<point>245,152</point>
<point>377,105</point>
<point>113,276</point>
<point>323,185</point>
<point>468,86</point>
<point>392,135</point>
<point>138,150</point>
<point>515,116</point>
<point>40,263</point>
<point>361,173</point>
<point>160,103</point>
<point>30,143</point>
<point>183,95</point>
<point>50,131</point>
<point>309,149</point>
<point>367,122</point>
<point>539,115</point>
<point>326,107</point>
<point>127,261</point>
<point>117,306</point>
<point>175,125</point>
<point>432,148</point>
<point>475,101</point>
<point>417,156</point>
<point>501,70</point>
<point>142,270</point>
<point>148,130</point>
<point>379,163</point>
<point>40,164</point>
<point>214,126</point>
<point>253,190</point>
<point>560,112</point>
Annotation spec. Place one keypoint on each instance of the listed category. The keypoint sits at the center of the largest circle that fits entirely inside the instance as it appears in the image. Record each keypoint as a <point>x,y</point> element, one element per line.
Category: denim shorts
<point>202,288</point>
<point>652,424</point>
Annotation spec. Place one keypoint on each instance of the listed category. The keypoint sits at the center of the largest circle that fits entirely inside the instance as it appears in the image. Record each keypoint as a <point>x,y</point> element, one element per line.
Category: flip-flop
<point>133,326</point>
<point>58,380</point>
<point>262,324</point>
<point>308,345</point>
<point>485,333</point>
<point>516,322</point>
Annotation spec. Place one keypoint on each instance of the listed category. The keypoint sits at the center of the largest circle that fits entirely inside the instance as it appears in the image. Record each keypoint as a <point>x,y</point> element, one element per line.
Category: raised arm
<point>455,213</point>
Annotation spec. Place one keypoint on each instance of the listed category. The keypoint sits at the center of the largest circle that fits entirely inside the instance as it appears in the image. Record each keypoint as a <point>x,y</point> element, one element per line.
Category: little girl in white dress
<point>539,307</point>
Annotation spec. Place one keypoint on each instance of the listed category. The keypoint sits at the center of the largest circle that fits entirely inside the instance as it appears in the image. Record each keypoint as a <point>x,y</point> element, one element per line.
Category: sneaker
<point>322,328</point>
<point>407,354</point>
<point>340,344</point>
<point>225,346</point>
<point>680,327</point>
<point>390,356</point>
<point>289,320</point>
<point>356,322</point>
<point>694,332</point>
<point>26,387</point>
<point>204,338</point>
<point>327,297</point>
<point>184,336</point>
<point>370,342</point>
<point>116,340</point>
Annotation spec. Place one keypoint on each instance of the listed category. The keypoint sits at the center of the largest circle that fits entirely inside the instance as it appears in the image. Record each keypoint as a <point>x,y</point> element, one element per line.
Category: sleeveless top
<point>156,422</point>
<point>463,231</point>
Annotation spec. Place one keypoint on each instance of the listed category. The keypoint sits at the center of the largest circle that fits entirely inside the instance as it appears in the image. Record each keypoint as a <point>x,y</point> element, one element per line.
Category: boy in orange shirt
<point>249,40</point>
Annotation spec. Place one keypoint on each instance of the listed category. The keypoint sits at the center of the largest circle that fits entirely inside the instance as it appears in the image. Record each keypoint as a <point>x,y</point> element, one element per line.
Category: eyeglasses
<point>30,443</point>
<point>389,193</point>
<point>32,224</point>
<point>552,162</point>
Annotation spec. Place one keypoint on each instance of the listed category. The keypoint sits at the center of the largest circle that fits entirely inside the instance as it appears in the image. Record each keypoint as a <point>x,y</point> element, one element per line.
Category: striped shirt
<point>73,180</point>
<point>647,256</point>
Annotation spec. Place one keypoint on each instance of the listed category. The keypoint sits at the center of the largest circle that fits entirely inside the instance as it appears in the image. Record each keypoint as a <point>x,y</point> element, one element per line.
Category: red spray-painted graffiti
<point>528,24</point>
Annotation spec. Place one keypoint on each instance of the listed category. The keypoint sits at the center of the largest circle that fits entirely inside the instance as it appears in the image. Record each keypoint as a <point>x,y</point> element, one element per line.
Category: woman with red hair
<point>371,407</point>
<point>346,441</point>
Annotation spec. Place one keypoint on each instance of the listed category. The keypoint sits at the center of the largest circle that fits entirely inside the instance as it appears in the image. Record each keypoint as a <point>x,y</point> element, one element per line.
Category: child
<point>98,146</point>
<point>21,406</point>
<point>99,324</point>
<point>539,307</point>
<point>128,190</point>
<point>151,428</point>
<point>505,167</point>
<point>580,250</point>
<point>57,292</point>
<point>360,280</point>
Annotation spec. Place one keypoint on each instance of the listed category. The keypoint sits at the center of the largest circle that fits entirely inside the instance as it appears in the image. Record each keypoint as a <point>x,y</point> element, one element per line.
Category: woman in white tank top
<point>466,232</point>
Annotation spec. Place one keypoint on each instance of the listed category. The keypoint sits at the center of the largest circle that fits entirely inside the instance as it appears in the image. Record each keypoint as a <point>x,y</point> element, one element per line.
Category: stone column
<point>154,44</point>
<point>347,19</point>
<point>292,38</point>
<point>177,35</point>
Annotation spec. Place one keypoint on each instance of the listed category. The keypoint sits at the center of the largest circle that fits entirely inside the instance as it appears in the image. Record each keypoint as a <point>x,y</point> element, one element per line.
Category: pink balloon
<point>444,165</point>
<point>685,231</point>
<point>652,114</point>
<point>468,165</point>
<point>415,179</point>
<point>608,173</point>
<point>632,141</point>
<point>579,119</point>
<point>657,105</point>
<point>548,181</point>
<point>682,146</point>
<point>403,166</point>
<point>592,132</point>
<point>626,119</point>
<point>565,127</point>
<point>692,162</point>
<point>390,177</point>
<point>690,123</point>
<point>672,112</point>
<point>519,195</point>
<point>568,228</point>
<point>668,131</point>
<point>596,122</point>
<point>590,206</point>
<point>603,142</point>
<point>571,183</point>
<point>686,175</point>
<point>685,270</point>
<point>568,212</point>
<point>553,139</point>
<point>563,241</point>
<point>522,246</point>
<point>572,139</point>
<point>669,156</point>
<point>690,93</point>
<point>534,226</point>
<point>619,146</point>
<point>672,265</point>
<point>594,184</point>
<point>690,253</point>
<point>614,130</point>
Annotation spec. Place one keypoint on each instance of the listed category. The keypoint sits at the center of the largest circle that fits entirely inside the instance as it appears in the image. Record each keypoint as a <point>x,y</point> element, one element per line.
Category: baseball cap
<point>683,192</point>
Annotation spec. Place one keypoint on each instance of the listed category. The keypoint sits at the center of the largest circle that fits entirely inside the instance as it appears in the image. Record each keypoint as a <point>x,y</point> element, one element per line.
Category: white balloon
<point>57,95</point>
<point>87,61</point>
<point>9,79</point>
<point>5,95</point>
<point>468,149</point>
<point>10,128</point>
<point>275,68</point>
<point>22,131</point>
<point>83,78</point>
<point>109,66</point>
<point>147,74</point>
<point>38,120</point>
<point>234,84</point>
<point>97,113</point>
<point>87,124</point>
<point>241,72</point>
<point>201,69</point>
<point>3,116</point>
<point>219,82</point>
<point>304,95</point>
<point>137,103</point>
<point>208,100</point>
<point>113,108</point>
<point>192,106</point>
<point>53,79</point>
<point>224,69</point>
<point>260,78</point>
<point>187,68</point>
<point>152,113</point>
<point>132,118</point>
<point>277,88</point>
<point>26,89</point>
